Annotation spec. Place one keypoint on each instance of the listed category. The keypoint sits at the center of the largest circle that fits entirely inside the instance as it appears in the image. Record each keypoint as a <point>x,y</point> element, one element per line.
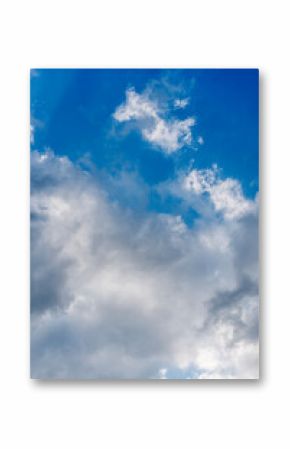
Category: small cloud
<point>31,134</point>
<point>35,125</point>
<point>225,195</point>
<point>200,140</point>
<point>169,134</point>
<point>181,103</point>
<point>163,373</point>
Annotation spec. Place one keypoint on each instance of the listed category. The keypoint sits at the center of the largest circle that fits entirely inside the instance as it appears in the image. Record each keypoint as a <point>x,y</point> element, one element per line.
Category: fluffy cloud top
<point>123,295</point>
<point>226,195</point>
<point>169,134</point>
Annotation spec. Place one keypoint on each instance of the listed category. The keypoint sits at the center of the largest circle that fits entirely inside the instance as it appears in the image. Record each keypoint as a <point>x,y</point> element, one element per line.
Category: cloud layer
<point>117,294</point>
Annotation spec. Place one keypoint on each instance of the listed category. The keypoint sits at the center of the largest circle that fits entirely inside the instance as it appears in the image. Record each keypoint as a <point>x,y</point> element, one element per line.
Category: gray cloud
<point>115,294</point>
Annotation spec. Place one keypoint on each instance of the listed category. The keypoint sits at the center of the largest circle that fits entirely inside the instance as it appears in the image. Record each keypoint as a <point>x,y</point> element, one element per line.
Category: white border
<point>144,34</point>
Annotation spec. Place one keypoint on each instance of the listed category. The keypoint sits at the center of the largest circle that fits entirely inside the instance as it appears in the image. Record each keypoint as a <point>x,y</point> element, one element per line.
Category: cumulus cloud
<point>167,133</point>
<point>116,294</point>
<point>226,195</point>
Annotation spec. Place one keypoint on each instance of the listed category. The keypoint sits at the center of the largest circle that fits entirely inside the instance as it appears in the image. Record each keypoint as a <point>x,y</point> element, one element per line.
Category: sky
<point>144,224</point>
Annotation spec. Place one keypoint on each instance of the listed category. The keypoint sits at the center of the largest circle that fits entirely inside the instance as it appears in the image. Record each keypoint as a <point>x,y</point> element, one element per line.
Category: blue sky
<point>74,111</point>
<point>144,201</point>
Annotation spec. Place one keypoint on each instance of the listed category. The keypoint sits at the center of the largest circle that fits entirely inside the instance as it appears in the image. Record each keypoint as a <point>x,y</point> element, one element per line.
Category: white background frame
<point>198,414</point>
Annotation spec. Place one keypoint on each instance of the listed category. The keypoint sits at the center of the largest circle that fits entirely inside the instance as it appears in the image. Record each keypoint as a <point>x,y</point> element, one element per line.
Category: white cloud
<point>181,103</point>
<point>31,134</point>
<point>226,195</point>
<point>151,119</point>
<point>163,373</point>
<point>122,295</point>
<point>35,124</point>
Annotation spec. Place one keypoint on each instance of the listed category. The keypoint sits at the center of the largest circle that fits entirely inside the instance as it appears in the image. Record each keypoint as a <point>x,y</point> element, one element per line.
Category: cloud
<point>152,120</point>
<point>34,126</point>
<point>31,134</point>
<point>226,195</point>
<point>115,294</point>
<point>163,373</point>
<point>181,103</point>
